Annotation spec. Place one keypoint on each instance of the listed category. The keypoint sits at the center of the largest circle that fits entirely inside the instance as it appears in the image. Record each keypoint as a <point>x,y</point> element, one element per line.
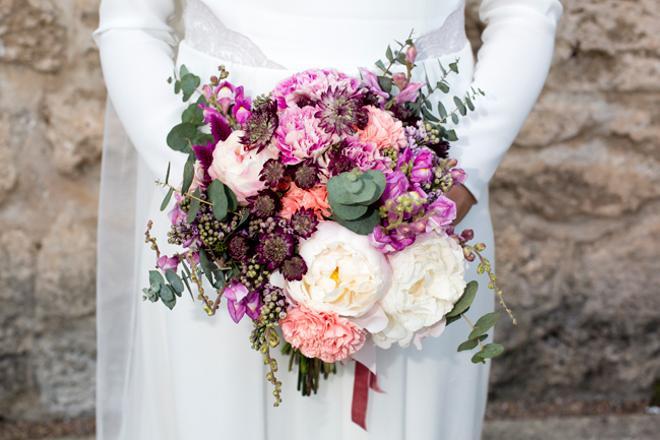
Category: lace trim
<point>450,37</point>
<point>200,22</point>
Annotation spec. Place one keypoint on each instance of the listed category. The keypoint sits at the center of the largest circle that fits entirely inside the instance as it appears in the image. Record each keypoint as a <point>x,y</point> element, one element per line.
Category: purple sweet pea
<point>396,184</point>
<point>241,302</point>
<point>392,241</point>
<point>242,106</point>
<point>441,213</point>
<point>409,93</point>
<point>177,216</point>
<point>165,262</point>
<point>422,167</point>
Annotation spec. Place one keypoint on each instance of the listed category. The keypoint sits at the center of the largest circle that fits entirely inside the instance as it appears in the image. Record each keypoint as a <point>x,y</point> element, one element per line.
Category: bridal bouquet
<point>319,212</point>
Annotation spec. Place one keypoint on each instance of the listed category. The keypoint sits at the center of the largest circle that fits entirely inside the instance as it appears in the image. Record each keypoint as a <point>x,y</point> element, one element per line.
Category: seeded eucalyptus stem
<point>148,238</point>
<point>485,267</point>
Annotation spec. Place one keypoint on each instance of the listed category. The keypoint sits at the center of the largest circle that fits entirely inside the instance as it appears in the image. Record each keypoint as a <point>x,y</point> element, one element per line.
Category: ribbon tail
<point>364,380</point>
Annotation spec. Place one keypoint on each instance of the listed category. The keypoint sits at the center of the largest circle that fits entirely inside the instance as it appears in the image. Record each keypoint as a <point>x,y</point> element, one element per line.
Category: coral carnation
<point>383,130</point>
<point>315,198</point>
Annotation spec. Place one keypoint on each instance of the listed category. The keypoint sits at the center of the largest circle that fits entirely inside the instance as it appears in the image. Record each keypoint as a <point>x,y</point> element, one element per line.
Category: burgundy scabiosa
<point>238,248</point>
<point>341,112</point>
<point>274,248</point>
<point>265,204</point>
<point>272,173</point>
<point>260,125</point>
<point>305,174</point>
<point>294,268</point>
<point>304,222</point>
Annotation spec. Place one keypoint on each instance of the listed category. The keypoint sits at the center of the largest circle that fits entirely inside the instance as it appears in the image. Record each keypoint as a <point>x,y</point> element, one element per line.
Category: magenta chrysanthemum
<point>299,135</point>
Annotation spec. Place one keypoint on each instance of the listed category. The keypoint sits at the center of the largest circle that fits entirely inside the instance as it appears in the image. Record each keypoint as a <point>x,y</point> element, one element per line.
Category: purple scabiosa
<point>274,248</point>
<point>341,113</point>
<point>260,125</point>
<point>304,222</point>
<point>238,248</point>
<point>305,174</point>
<point>294,268</point>
<point>272,173</point>
<point>265,204</point>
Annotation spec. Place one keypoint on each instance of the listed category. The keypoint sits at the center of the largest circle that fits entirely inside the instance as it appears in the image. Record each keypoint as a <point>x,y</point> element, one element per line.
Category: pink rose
<point>321,335</point>
<point>383,130</point>
<point>237,168</point>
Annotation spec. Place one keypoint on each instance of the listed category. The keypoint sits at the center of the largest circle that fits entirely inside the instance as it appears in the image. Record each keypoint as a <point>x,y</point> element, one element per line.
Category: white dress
<point>183,376</point>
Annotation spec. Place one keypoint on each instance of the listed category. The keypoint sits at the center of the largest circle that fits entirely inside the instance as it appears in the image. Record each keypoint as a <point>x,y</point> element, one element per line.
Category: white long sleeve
<point>136,45</point>
<point>511,68</point>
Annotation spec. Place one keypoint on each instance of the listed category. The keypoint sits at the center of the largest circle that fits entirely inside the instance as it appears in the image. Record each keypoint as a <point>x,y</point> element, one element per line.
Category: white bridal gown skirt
<point>194,377</point>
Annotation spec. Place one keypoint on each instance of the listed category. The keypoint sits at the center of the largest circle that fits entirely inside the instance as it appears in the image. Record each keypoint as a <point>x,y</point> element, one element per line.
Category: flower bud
<point>411,54</point>
<point>400,80</point>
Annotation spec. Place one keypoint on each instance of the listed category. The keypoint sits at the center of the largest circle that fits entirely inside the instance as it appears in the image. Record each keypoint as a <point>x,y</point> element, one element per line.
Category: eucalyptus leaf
<point>483,324</point>
<point>460,106</point>
<point>380,65</point>
<point>442,111</point>
<point>166,200</point>
<point>168,296</point>
<point>174,280</point>
<point>193,209</point>
<point>478,358</point>
<point>388,53</point>
<point>469,103</point>
<point>428,115</point>
<point>181,137</point>
<point>364,225</point>
<point>348,212</point>
<point>188,173</point>
<point>491,350</point>
<point>167,173</point>
<point>471,343</point>
<point>465,301</point>
<point>231,198</point>
<point>454,67</point>
<point>189,84</point>
<point>218,196</point>
<point>193,114</point>
<point>443,86</point>
<point>206,265</point>
<point>156,279</point>
<point>454,118</point>
<point>385,83</point>
<point>451,136</point>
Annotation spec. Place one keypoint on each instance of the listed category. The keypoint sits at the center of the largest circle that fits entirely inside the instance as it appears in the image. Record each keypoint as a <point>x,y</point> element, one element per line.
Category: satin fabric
<point>181,375</point>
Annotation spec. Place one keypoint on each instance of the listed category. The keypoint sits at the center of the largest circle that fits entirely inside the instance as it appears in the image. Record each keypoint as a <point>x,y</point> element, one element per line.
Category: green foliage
<point>471,343</point>
<point>193,209</point>
<point>175,281</point>
<point>218,196</point>
<point>211,270</point>
<point>484,324</point>
<point>465,301</point>
<point>352,196</point>
<point>488,351</point>
<point>166,200</point>
<point>188,173</point>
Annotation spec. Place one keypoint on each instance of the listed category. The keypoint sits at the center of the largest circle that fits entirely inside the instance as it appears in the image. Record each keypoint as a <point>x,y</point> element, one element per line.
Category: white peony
<point>345,274</point>
<point>428,278</point>
<point>237,168</point>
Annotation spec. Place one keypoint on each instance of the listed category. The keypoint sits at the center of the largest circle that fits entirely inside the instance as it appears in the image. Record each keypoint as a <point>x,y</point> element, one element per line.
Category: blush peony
<point>237,168</point>
<point>322,335</point>
<point>428,278</point>
<point>345,274</point>
<point>383,130</point>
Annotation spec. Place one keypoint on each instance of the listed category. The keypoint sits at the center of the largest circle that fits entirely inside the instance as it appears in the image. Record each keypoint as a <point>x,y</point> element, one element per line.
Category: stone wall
<point>576,206</point>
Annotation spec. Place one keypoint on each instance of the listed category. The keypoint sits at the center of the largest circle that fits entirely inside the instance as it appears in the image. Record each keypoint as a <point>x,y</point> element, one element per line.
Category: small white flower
<point>428,278</point>
<point>345,274</point>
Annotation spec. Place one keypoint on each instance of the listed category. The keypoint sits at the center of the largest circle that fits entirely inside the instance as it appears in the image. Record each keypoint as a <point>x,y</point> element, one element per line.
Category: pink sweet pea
<point>409,93</point>
<point>241,302</point>
<point>165,262</point>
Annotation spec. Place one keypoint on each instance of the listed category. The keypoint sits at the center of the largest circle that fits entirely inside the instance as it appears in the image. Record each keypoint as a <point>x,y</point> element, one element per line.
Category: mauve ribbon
<point>363,380</point>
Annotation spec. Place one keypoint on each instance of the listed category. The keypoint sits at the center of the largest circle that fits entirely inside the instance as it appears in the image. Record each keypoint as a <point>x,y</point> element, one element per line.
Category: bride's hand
<point>463,199</point>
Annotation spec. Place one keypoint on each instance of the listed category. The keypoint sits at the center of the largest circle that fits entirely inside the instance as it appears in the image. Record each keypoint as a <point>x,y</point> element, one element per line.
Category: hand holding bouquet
<point>319,211</point>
